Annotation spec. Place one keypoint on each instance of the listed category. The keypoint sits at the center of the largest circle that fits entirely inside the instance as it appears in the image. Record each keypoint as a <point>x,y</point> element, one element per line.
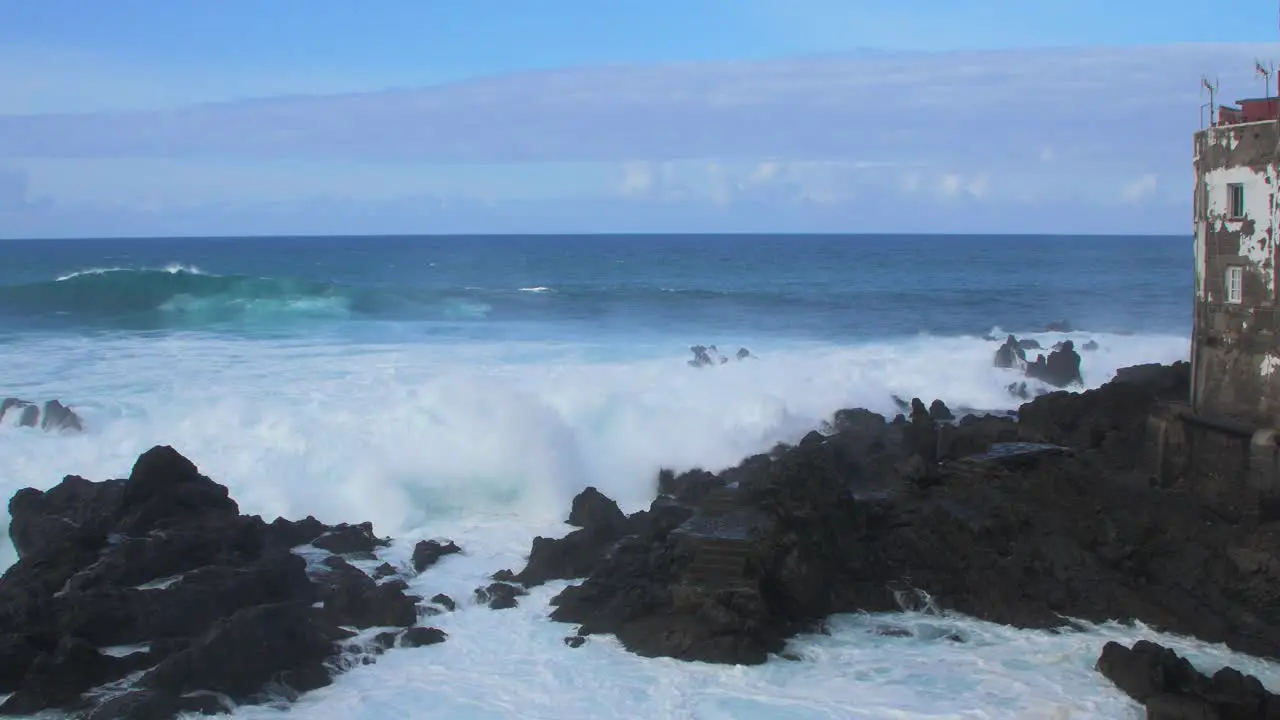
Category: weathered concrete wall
<point>1235,352</point>
<point>1233,470</point>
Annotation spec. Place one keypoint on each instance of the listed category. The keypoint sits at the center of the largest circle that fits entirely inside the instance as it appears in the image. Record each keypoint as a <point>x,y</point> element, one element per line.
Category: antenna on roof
<point>1265,73</point>
<point>1213,92</point>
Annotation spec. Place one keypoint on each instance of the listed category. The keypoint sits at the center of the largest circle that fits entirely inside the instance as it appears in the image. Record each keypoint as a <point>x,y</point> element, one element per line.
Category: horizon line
<point>606,234</point>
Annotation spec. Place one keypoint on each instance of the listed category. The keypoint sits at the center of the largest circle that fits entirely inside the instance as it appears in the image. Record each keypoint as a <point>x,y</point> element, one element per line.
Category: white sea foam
<point>171,268</point>
<point>486,444</point>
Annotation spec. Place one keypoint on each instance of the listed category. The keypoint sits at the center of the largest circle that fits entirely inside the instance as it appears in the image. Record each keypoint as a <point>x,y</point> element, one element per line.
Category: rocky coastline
<point>1034,522</point>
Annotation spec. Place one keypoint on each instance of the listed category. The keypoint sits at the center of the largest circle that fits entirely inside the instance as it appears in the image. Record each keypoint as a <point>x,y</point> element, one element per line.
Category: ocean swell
<point>143,298</point>
<point>183,297</point>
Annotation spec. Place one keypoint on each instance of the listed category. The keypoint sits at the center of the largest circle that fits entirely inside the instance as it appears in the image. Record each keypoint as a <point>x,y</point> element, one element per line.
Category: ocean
<point>469,387</point>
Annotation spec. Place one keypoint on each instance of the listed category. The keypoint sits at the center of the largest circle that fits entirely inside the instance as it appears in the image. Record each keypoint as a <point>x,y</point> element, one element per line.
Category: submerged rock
<point>52,415</point>
<point>705,355</point>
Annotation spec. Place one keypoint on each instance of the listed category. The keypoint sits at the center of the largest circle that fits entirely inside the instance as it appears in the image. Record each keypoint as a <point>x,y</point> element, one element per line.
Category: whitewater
<point>481,428</point>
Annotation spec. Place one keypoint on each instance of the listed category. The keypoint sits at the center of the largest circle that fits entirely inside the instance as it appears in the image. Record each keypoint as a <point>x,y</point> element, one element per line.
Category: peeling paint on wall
<point>1236,344</point>
<point>1254,228</point>
<point>1270,363</point>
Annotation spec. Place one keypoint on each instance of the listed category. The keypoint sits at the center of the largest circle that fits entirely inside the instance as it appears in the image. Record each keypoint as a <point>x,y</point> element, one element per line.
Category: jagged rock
<point>575,641</point>
<point>164,560</point>
<point>939,411</point>
<point>1023,534</point>
<point>428,552</point>
<point>919,413</point>
<point>385,570</point>
<point>350,597</point>
<point>289,534</point>
<point>1029,344</point>
<point>422,636</point>
<point>592,510</point>
<point>1010,354</point>
<point>1060,369</point>
<point>1171,689</point>
<point>500,596</point>
<point>444,601</point>
<point>347,539</point>
<point>52,416</point>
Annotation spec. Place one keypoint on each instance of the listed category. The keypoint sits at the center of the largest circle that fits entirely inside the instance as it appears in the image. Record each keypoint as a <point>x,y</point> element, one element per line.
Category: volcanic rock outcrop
<point>1023,523</point>
<point>1171,689</point>
<point>706,355</point>
<point>1061,368</point>
<point>151,596</point>
<point>53,415</point>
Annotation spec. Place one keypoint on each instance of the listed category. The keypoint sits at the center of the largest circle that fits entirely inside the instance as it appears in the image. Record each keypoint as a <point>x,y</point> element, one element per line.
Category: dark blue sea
<point>681,289</point>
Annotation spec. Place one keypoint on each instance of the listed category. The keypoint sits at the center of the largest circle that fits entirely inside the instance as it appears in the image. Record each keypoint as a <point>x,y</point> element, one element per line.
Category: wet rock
<point>575,641</point>
<point>1089,346</point>
<point>57,416</point>
<point>163,560</point>
<point>1171,689</point>
<point>239,656</point>
<point>500,596</point>
<point>385,570</point>
<point>347,539</point>
<point>53,416</point>
<point>1061,369</point>
<point>1029,344</point>
<point>1010,354</point>
<point>428,552</point>
<point>592,510</point>
<point>939,411</point>
<point>422,636</point>
<point>350,597</point>
<point>291,534</point>
<point>575,554</point>
<point>444,601</point>
<point>919,413</point>
<point>744,353</point>
<point>1061,326</point>
<point>872,519</point>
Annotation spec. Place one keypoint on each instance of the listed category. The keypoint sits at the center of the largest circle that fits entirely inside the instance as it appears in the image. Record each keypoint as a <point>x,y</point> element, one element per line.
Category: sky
<point>226,117</point>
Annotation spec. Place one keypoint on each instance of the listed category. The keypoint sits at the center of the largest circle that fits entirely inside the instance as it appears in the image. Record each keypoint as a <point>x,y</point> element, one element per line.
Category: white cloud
<point>1098,102</point>
<point>1140,189</point>
<point>749,139</point>
<point>764,173</point>
<point>638,179</point>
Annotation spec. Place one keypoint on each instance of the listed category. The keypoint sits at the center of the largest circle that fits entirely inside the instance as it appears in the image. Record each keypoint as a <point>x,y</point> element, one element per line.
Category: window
<point>1235,285</point>
<point>1235,200</point>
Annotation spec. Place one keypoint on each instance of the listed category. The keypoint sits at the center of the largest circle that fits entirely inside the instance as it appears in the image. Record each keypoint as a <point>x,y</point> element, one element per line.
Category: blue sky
<point>301,116</point>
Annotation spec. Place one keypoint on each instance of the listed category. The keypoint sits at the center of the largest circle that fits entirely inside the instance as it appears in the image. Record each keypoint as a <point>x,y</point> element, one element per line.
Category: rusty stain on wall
<point>1235,353</point>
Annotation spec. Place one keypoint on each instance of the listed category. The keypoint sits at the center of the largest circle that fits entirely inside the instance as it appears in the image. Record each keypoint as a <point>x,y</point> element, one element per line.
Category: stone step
<point>716,544</point>
<point>715,577</point>
<point>735,554</point>
<point>719,501</point>
<point>727,560</point>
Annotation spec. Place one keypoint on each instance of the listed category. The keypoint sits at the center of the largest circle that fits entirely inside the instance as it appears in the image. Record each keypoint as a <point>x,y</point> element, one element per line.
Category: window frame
<point>1234,280</point>
<point>1235,201</point>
